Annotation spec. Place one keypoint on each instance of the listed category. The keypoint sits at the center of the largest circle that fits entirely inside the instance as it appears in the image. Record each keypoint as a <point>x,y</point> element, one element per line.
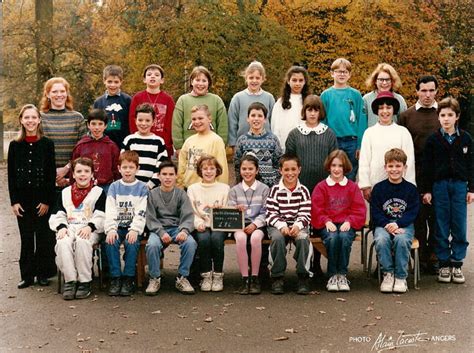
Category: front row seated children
<point>249,196</point>
<point>124,223</point>
<point>338,210</point>
<point>288,217</point>
<point>394,207</point>
<point>170,220</point>
<point>205,196</point>
<point>78,220</point>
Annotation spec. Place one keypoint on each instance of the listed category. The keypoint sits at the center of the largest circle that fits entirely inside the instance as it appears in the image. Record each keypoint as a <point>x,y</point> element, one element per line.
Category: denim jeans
<point>338,245</point>
<point>449,200</point>
<point>154,248</point>
<point>349,145</point>
<point>210,250</point>
<point>130,257</point>
<point>399,245</point>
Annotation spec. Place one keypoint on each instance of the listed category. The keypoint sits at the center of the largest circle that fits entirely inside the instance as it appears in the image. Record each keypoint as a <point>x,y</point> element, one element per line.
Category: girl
<point>383,78</point>
<point>200,82</point>
<point>78,220</point>
<point>338,209</point>
<point>286,112</point>
<point>254,76</point>
<point>205,196</point>
<point>31,175</point>
<point>250,196</point>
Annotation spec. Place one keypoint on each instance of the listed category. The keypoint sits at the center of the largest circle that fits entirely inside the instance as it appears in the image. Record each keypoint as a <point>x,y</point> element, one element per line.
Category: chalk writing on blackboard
<point>227,219</point>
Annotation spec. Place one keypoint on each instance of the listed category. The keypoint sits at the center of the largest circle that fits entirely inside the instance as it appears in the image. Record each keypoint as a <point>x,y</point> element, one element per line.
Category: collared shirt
<point>418,105</point>
<point>331,182</point>
<point>448,137</point>
<point>107,94</point>
<point>260,134</point>
<point>305,130</point>
<point>260,92</point>
<point>246,187</point>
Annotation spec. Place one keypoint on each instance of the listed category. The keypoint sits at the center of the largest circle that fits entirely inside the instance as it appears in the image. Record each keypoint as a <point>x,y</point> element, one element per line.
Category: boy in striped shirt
<point>288,217</point>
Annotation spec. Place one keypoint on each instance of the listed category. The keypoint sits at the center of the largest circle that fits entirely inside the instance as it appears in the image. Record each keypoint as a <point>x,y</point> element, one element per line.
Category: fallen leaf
<point>188,339</point>
<point>11,296</point>
<point>238,335</point>
<point>220,329</point>
<point>131,332</point>
<point>398,302</point>
<point>181,316</point>
<point>40,289</point>
<point>101,340</point>
<point>156,312</point>
<point>94,299</point>
<point>260,308</point>
<point>208,319</point>
<point>433,303</point>
<point>290,330</point>
<point>112,332</point>
<point>446,311</point>
<point>314,292</point>
<point>369,308</point>
<point>282,338</point>
<point>198,328</point>
<point>74,315</point>
<point>378,318</point>
<point>370,324</point>
<point>72,307</point>
<point>343,319</point>
<point>322,312</point>
<point>340,299</point>
<point>116,307</point>
<point>305,315</point>
<point>80,339</point>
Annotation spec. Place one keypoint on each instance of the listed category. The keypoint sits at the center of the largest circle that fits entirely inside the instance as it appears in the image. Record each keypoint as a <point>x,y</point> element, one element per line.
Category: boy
<point>116,103</point>
<point>170,219</point>
<point>162,103</point>
<point>394,206</point>
<point>449,183</point>
<point>100,148</point>
<point>344,112</point>
<point>262,143</point>
<point>150,148</point>
<point>125,210</point>
<point>288,217</point>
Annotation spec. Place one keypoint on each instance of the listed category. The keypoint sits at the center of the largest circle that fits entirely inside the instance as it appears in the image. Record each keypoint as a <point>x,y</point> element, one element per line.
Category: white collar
<point>259,93</point>
<point>418,105</point>
<point>305,130</point>
<point>282,186</point>
<point>246,187</point>
<point>331,182</point>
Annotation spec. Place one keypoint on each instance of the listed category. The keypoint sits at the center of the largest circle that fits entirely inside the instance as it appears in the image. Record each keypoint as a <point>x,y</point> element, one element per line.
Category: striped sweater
<point>254,198</point>
<point>286,208</point>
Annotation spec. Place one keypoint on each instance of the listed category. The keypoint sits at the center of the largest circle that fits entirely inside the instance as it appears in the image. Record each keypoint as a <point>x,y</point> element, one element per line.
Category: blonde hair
<point>341,62</point>
<point>254,66</point>
<point>22,133</point>
<point>371,81</point>
<point>201,107</point>
<point>45,104</point>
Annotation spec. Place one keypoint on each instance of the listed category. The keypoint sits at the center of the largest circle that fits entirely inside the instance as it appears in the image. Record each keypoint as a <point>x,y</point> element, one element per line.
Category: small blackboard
<point>227,219</point>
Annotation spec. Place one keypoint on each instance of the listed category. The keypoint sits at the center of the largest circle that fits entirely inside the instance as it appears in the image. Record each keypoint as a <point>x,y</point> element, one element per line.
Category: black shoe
<point>25,283</point>
<point>128,287</point>
<point>43,281</point>
<point>69,290</point>
<point>255,287</point>
<point>244,286</point>
<point>278,285</point>
<point>83,290</point>
<point>303,285</point>
<point>115,286</point>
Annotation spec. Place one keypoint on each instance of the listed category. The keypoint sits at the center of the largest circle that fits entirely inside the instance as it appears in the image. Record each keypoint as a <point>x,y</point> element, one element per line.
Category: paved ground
<point>435,318</point>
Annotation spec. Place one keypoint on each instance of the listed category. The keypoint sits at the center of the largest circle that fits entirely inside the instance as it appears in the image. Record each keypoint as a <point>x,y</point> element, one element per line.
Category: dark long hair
<point>286,89</point>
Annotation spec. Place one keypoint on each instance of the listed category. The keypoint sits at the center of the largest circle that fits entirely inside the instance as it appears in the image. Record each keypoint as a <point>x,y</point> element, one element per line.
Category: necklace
<point>153,101</point>
<point>163,199</point>
<point>249,203</point>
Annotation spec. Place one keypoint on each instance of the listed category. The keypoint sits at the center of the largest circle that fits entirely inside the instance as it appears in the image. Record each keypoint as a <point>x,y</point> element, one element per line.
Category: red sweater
<point>164,107</point>
<point>337,203</point>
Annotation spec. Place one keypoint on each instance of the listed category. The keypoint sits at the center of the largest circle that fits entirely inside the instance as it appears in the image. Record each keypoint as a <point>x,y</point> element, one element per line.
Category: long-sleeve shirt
<point>284,120</point>
<point>254,198</point>
<point>204,197</point>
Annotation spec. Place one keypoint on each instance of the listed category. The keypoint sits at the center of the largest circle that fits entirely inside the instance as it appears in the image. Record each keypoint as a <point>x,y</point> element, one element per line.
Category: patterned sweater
<point>254,197</point>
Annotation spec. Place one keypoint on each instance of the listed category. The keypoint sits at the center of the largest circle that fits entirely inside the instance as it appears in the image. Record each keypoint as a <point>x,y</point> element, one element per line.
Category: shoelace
<point>333,280</point>
<point>344,280</point>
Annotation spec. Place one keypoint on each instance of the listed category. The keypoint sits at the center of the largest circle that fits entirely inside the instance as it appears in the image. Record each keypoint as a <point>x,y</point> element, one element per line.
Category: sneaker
<point>343,283</point>
<point>255,287</point>
<point>303,285</point>
<point>206,282</point>
<point>69,291</point>
<point>387,283</point>
<point>217,282</point>
<point>153,286</point>
<point>83,290</point>
<point>115,286</point>
<point>458,277</point>
<point>400,285</point>
<point>444,275</point>
<point>332,284</point>
<point>182,284</point>
<point>278,285</point>
<point>244,286</point>
<point>128,287</point>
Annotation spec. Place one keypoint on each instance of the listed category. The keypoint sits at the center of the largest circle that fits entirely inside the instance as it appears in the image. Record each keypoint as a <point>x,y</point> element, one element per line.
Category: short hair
<point>83,161</point>
<point>208,159</point>
<point>426,79</point>
<point>145,108</point>
<point>257,106</point>
<point>154,67</point>
<point>254,66</point>
<point>371,81</point>
<point>129,156</point>
<point>289,157</point>
<point>200,70</point>
<point>341,62</point>
<point>202,107</point>
<point>395,155</point>
<point>167,164</point>
<point>450,102</point>
<point>315,102</point>
<point>97,114</point>
<point>342,156</point>
<point>112,70</point>
<point>22,133</point>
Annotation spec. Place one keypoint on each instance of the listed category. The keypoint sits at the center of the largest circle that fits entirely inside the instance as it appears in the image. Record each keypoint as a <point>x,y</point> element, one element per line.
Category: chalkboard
<point>227,219</point>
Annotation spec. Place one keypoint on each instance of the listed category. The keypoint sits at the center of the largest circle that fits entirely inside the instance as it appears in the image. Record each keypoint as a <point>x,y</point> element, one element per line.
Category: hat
<point>387,98</point>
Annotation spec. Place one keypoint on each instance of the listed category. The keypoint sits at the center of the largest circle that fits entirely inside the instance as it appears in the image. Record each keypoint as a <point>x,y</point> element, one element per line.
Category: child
<point>205,196</point>
<point>78,220</point>
<point>200,82</point>
<point>31,176</point>
<point>288,217</point>
<point>380,138</point>
<point>393,209</point>
<point>124,223</point>
<point>286,113</point>
<point>254,76</point>
<point>150,148</point>
<point>170,220</point>
<point>100,148</point>
<point>338,210</point>
<point>449,184</point>
<point>250,196</point>
<point>260,142</point>
<point>162,103</point>
<point>203,142</point>
<point>345,112</point>
<point>116,103</point>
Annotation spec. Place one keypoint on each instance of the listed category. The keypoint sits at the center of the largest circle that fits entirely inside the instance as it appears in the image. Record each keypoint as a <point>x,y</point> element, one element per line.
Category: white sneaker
<point>218,281</point>
<point>206,282</point>
<point>458,277</point>
<point>400,285</point>
<point>332,284</point>
<point>153,286</point>
<point>387,283</point>
<point>444,275</point>
<point>343,283</point>
<point>182,284</point>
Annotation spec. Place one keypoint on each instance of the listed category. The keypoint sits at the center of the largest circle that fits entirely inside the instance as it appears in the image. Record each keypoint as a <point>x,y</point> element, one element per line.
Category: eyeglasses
<point>384,80</point>
<point>341,72</point>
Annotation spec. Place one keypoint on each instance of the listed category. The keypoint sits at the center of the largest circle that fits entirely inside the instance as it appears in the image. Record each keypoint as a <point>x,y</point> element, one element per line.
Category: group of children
<point>292,171</point>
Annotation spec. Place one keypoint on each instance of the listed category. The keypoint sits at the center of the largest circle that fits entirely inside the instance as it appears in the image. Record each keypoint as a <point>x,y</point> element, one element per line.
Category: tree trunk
<point>43,43</point>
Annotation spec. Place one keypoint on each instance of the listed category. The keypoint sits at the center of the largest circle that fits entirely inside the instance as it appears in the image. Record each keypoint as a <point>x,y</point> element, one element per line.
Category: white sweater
<point>285,120</point>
